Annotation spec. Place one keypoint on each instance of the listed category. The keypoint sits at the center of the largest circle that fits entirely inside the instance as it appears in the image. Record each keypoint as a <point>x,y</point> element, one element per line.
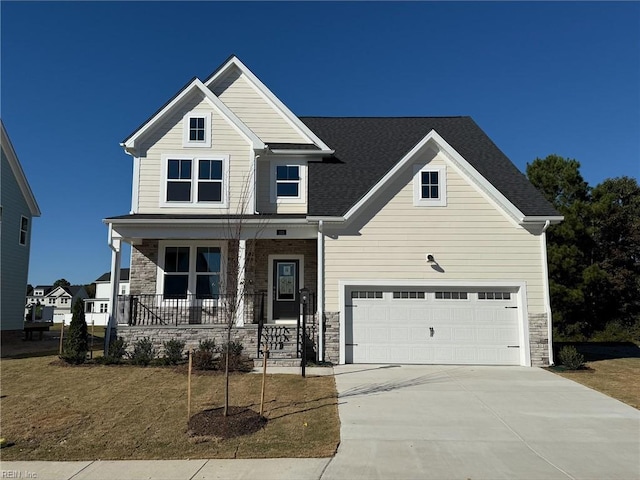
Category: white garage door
<point>439,326</point>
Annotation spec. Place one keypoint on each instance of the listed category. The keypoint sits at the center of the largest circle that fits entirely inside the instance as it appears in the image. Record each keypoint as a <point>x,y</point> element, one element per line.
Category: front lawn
<point>619,378</point>
<point>54,412</point>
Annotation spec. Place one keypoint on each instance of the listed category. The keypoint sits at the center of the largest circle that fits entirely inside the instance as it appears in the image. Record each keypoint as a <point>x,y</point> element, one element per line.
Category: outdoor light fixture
<point>430,259</point>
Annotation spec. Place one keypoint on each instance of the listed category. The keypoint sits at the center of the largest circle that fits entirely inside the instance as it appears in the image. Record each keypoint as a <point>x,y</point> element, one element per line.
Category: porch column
<point>115,244</point>
<point>320,291</point>
<point>242,256</point>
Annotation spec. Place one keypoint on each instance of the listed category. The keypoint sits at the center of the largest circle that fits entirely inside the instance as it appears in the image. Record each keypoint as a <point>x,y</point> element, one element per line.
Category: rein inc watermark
<point>17,474</point>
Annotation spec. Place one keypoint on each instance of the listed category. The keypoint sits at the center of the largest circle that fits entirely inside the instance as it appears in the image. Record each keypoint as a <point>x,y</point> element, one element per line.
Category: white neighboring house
<point>97,309</point>
<point>62,299</point>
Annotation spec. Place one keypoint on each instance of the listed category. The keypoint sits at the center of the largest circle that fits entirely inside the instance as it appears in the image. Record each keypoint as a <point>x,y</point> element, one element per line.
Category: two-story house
<point>417,238</point>
<point>18,206</point>
<point>62,298</point>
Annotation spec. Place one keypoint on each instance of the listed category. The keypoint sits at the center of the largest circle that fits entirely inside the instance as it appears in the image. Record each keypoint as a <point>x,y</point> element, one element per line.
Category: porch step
<point>278,362</point>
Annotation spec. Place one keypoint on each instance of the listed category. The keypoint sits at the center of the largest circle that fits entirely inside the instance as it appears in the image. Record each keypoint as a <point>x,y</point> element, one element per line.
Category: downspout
<point>135,184</point>
<point>545,287</point>
<point>320,289</point>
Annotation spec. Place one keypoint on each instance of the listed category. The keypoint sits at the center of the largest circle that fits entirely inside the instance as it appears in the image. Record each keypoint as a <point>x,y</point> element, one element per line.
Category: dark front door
<point>286,302</point>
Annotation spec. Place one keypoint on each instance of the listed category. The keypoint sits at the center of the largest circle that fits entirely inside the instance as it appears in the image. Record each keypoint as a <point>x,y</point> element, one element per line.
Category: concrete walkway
<point>429,422</point>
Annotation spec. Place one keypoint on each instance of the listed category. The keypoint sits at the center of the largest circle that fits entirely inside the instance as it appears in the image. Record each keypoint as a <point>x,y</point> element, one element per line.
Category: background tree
<point>76,345</point>
<point>594,255</point>
<point>62,282</point>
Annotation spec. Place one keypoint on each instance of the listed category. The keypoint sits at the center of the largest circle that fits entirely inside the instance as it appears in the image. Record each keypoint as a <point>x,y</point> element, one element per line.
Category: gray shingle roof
<point>366,148</point>
<point>105,277</point>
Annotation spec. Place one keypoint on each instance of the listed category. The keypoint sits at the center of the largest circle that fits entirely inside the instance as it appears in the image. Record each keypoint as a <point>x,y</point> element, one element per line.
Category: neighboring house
<point>97,309</point>
<point>62,298</point>
<point>418,240</point>
<point>37,294</point>
<point>18,206</point>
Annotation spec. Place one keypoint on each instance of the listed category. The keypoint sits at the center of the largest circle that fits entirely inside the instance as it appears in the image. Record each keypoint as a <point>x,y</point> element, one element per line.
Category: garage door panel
<point>466,330</point>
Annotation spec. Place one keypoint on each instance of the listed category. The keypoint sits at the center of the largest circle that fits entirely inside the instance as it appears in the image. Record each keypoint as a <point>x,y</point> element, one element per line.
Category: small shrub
<point>76,344</point>
<point>117,350</point>
<point>237,361</point>
<point>173,351</point>
<point>204,356</point>
<point>143,352</point>
<point>571,358</point>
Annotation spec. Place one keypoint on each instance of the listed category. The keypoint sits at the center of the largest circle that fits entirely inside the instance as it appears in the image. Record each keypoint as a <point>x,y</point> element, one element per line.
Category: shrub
<point>143,352</point>
<point>173,351</point>
<point>204,356</point>
<point>76,345</point>
<point>117,350</point>
<point>571,358</point>
<point>237,361</point>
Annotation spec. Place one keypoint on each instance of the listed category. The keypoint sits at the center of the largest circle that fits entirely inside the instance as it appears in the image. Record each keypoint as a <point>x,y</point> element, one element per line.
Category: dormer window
<point>430,186</point>
<point>288,181</point>
<point>197,130</point>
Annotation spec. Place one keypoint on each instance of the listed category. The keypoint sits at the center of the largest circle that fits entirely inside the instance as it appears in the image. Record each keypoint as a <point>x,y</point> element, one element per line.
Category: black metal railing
<point>158,309</point>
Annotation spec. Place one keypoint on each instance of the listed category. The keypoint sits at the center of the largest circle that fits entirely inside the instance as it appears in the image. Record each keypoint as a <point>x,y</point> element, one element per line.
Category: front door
<point>286,302</point>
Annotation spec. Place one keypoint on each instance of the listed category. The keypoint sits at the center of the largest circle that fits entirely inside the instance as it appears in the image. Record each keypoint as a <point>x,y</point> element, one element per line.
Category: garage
<point>432,325</point>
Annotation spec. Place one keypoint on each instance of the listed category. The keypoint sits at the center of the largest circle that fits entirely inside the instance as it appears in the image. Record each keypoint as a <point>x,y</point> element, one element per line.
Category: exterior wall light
<point>430,259</point>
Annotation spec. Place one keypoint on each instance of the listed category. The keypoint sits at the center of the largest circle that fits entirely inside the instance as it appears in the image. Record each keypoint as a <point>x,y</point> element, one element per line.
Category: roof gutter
<point>540,219</point>
<point>302,152</point>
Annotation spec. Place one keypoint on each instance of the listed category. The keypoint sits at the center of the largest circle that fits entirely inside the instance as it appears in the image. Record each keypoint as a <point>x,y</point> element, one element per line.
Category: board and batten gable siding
<point>469,238</point>
<point>168,139</point>
<point>254,110</point>
<point>14,257</point>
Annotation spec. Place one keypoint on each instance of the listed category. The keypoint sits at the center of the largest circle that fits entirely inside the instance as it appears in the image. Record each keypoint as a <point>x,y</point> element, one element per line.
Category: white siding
<point>254,110</point>
<point>167,138</point>
<point>469,238</point>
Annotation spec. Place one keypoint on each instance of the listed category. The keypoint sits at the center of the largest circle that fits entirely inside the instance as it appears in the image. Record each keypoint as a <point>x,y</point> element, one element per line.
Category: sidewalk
<point>262,469</point>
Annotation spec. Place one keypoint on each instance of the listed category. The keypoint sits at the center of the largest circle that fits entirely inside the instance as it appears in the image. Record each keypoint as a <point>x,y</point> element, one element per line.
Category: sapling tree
<point>76,344</point>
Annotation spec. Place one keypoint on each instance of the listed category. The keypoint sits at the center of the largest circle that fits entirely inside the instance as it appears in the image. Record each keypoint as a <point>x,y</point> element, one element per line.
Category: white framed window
<point>494,296</point>
<point>451,296</point>
<point>190,269</point>
<point>430,186</point>
<point>24,230</point>
<point>103,308</point>
<point>197,181</point>
<point>64,300</point>
<point>197,130</point>
<point>366,294</point>
<point>288,181</point>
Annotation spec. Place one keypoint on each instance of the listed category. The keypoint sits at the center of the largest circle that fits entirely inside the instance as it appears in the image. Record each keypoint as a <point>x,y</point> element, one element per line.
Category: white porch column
<point>115,244</point>
<point>242,256</point>
<point>320,291</point>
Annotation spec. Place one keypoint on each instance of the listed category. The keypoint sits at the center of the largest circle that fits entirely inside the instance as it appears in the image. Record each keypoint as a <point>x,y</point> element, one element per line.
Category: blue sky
<point>77,78</point>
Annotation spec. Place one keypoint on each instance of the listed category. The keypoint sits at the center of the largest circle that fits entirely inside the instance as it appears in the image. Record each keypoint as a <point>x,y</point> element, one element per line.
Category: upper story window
<point>24,230</point>
<point>430,186</point>
<point>288,182</point>
<point>197,130</point>
<point>200,182</point>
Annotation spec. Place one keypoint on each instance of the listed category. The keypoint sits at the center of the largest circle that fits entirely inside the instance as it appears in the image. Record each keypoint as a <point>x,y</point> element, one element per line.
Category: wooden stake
<point>189,388</point>
<point>61,335</point>
<point>265,355</point>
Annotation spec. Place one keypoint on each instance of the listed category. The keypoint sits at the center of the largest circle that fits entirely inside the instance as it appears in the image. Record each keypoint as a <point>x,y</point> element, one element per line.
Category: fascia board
<point>484,186</point>
<point>18,173</point>
<point>552,220</point>
<point>130,144</point>
<point>307,153</point>
<point>268,94</point>
<point>204,221</point>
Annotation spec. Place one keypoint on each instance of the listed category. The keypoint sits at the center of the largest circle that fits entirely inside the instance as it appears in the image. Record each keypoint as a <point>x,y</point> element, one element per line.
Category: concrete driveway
<point>459,422</point>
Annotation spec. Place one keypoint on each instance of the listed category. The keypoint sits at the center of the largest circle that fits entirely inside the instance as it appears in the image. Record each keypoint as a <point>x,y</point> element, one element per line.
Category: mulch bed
<point>213,423</point>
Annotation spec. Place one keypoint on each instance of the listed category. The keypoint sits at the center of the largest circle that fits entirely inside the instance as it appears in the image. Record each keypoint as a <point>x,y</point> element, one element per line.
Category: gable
<point>255,110</point>
<point>19,181</point>
<point>367,149</point>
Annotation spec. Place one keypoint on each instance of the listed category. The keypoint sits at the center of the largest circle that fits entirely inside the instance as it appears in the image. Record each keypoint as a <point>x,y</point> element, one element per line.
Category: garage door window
<point>409,295</point>
<point>451,296</point>
<point>366,294</point>
<point>494,296</point>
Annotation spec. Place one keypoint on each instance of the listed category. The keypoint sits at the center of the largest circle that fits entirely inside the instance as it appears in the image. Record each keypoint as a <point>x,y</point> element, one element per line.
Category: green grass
<point>56,412</point>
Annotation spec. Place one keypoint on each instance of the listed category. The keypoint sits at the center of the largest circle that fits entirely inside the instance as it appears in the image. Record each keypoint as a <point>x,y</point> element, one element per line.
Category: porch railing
<point>158,309</point>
